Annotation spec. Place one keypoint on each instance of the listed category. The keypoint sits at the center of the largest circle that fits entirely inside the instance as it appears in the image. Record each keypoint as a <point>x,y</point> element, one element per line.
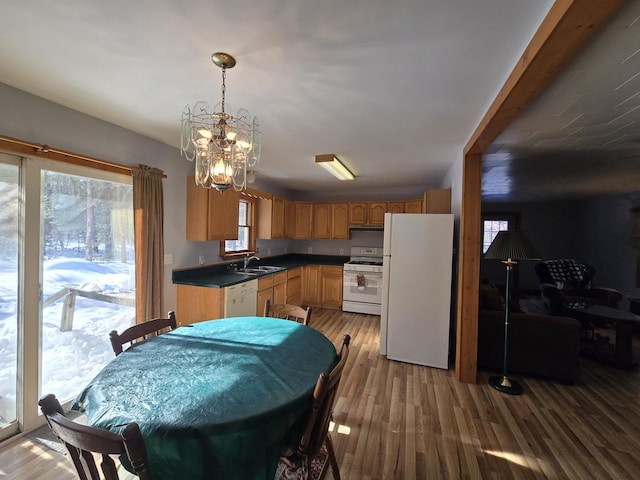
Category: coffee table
<point>619,354</point>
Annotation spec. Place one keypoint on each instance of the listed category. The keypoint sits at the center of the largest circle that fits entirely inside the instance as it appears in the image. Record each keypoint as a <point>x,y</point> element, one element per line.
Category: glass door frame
<point>14,427</point>
<point>30,281</point>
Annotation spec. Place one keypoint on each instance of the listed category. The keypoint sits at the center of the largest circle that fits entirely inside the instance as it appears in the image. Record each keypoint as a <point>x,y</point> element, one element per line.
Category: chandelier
<point>222,145</point>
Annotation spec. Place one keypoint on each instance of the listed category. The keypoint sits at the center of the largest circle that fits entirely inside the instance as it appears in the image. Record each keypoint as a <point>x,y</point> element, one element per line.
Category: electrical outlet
<point>342,251</point>
<point>168,258</point>
<point>201,260</point>
<point>309,249</point>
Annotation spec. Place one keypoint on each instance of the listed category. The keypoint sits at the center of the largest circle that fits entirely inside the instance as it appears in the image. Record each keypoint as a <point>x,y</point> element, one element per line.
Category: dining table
<point>218,399</point>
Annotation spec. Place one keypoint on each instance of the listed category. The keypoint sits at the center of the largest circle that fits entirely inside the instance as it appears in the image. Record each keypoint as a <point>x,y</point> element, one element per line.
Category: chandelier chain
<point>224,86</point>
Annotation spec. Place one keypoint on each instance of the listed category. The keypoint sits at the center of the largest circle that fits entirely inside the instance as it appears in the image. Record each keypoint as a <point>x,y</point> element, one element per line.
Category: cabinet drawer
<point>294,272</point>
<point>280,277</point>
<point>332,270</point>
<point>265,282</point>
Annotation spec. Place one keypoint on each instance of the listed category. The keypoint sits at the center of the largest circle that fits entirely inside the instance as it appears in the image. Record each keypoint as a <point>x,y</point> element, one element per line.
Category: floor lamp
<point>508,246</point>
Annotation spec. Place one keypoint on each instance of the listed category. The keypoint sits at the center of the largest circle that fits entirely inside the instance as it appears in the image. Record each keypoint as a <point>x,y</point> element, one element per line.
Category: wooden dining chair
<point>288,312</point>
<point>85,444</point>
<point>141,331</point>
<point>315,452</point>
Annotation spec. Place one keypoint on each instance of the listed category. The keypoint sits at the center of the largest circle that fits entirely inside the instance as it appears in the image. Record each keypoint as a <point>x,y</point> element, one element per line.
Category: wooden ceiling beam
<point>564,31</point>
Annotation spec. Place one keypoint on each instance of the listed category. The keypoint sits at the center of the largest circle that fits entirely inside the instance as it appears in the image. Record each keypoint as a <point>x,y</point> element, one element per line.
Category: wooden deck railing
<point>70,293</point>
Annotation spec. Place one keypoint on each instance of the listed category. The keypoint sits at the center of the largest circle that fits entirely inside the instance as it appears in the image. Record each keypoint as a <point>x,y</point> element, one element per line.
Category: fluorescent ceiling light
<point>330,163</point>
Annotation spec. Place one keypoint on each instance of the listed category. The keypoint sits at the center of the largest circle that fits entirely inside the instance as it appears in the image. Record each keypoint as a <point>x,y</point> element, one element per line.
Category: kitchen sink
<point>259,269</point>
<point>250,271</point>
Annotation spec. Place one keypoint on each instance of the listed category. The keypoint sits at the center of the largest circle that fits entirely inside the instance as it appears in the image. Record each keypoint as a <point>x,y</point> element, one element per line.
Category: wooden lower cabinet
<point>280,287</point>
<point>332,287</point>
<point>294,286</point>
<point>265,292</point>
<point>322,286</point>
<point>312,285</point>
<point>196,304</point>
<point>272,288</point>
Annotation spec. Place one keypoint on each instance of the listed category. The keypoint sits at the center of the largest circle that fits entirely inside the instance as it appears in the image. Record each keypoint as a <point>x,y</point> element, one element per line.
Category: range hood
<point>371,228</point>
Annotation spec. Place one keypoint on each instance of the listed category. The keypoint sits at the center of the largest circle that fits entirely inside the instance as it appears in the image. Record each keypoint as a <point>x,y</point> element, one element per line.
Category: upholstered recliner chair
<point>567,281</point>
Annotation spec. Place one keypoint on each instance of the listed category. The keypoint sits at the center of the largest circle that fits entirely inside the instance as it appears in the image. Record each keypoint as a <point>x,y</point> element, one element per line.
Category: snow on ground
<point>70,359</point>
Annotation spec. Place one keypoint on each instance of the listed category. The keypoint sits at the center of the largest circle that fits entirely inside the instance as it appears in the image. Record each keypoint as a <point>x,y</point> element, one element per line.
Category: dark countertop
<point>221,275</point>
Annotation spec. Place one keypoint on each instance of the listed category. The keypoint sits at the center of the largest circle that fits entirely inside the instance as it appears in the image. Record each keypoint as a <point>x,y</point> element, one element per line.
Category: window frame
<point>251,226</point>
<point>513,219</point>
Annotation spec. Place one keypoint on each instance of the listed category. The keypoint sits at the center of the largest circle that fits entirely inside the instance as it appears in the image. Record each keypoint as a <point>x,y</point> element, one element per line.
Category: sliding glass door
<point>9,270</point>
<point>87,264</point>
<point>67,280</point>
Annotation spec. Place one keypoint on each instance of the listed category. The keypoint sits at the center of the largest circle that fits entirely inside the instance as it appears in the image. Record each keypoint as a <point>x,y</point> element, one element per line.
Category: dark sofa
<point>543,346</point>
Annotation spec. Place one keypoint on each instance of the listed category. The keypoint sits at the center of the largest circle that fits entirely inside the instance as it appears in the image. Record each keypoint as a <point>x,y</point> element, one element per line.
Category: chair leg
<point>332,458</point>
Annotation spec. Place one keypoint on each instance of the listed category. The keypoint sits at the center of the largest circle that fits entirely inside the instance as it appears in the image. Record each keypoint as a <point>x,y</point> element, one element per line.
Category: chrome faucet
<point>248,258</point>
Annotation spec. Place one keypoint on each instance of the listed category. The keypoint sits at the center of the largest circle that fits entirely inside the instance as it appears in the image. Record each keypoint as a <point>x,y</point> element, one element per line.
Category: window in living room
<point>493,223</point>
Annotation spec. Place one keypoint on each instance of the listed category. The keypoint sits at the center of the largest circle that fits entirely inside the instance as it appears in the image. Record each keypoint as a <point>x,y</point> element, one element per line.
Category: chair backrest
<point>324,397</point>
<point>141,331</point>
<point>288,312</point>
<point>565,270</point>
<point>83,442</point>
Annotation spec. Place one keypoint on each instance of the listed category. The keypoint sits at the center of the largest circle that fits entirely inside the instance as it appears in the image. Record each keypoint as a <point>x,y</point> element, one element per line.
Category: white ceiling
<point>580,137</point>
<point>394,89</point>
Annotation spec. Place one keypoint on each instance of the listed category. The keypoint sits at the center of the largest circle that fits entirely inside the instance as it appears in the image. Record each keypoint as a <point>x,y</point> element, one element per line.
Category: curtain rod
<point>45,151</point>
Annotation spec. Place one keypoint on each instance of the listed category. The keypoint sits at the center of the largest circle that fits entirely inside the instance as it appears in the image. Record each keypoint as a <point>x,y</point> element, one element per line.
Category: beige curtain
<point>148,205</point>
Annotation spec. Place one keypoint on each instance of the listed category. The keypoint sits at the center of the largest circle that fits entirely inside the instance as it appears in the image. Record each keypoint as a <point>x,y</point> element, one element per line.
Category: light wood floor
<point>401,421</point>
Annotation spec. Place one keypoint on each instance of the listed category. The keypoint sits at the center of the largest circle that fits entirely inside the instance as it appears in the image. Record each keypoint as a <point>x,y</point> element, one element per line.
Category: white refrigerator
<point>416,288</point>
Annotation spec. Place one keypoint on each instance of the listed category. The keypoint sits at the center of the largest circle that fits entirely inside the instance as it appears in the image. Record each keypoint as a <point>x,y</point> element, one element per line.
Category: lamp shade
<point>511,244</point>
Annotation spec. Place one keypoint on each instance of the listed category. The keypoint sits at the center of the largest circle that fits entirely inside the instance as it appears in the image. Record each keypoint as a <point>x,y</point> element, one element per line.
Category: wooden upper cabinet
<point>321,220</point>
<point>395,207</point>
<point>219,209</point>
<point>277,218</point>
<point>304,211</point>
<point>289,229</point>
<point>340,221</point>
<point>376,213</point>
<point>265,222</point>
<point>437,201</point>
<point>357,213</point>
<point>413,206</point>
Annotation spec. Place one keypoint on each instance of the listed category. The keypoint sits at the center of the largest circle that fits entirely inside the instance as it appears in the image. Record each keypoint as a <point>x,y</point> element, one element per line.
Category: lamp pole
<point>504,383</point>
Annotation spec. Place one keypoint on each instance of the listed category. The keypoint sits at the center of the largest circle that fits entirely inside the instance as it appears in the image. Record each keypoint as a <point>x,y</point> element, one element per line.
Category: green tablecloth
<point>214,399</point>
